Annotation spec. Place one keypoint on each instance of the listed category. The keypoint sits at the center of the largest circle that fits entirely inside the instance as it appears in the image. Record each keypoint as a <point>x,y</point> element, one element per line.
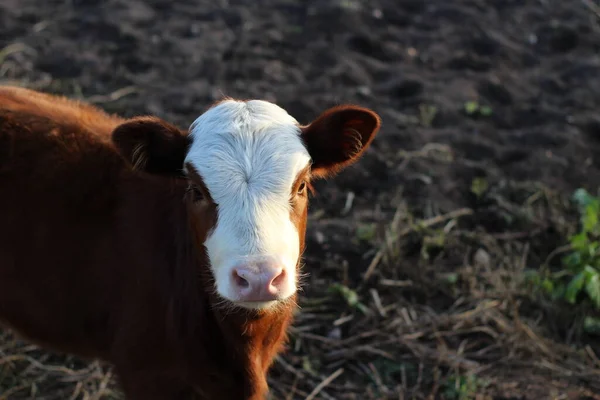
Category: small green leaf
<point>452,278</point>
<point>531,275</point>
<point>572,261</point>
<point>548,285</point>
<point>559,291</point>
<point>486,111</point>
<point>479,186</point>
<point>349,295</point>
<point>366,232</point>
<point>583,198</point>
<point>590,219</point>
<point>574,287</point>
<point>589,272</point>
<point>591,325</point>
<point>579,241</point>
<point>307,365</point>
<point>592,249</point>
<point>362,308</point>
<point>471,107</point>
<point>592,288</point>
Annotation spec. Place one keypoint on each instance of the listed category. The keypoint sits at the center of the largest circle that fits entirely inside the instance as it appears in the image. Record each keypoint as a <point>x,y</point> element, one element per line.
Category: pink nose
<point>261,281</point>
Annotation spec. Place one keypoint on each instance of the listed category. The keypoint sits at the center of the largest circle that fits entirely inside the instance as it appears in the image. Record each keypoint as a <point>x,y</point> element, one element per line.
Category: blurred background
<point>458,260</point>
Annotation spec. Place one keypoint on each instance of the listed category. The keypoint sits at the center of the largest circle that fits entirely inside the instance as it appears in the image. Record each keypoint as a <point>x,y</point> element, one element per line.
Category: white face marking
<point>249,155</point>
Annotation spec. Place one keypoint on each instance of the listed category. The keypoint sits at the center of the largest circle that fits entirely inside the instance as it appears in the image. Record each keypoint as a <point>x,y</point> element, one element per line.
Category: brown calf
<point>172,255</point>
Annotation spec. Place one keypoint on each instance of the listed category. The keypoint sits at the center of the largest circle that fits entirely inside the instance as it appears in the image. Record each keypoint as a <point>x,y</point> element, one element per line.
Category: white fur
<point>249,155</point>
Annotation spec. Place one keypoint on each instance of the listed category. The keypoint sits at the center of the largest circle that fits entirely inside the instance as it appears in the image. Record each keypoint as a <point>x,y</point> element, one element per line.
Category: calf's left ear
<point>152,145</point>
<point>339,137</point>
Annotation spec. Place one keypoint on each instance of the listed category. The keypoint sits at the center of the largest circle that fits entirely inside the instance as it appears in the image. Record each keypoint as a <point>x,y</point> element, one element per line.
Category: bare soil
<point>436,265</point>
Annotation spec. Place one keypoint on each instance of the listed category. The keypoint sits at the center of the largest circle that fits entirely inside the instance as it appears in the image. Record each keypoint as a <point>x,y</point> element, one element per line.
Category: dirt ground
<point>431,230</point>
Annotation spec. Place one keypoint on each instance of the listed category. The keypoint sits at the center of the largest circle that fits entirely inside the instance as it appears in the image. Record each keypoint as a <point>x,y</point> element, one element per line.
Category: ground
<point>490,122</point>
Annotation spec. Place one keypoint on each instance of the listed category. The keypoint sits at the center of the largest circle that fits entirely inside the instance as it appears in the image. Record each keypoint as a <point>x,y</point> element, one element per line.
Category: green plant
<point>474,108</point>
<point>349,295</point>
<point>479,186</point>
<point>462,387</point>
<point>427,114</point>
<point>366,232</point>
<point>433,243</point>
<point>583,263</point>
<point>579,279</point>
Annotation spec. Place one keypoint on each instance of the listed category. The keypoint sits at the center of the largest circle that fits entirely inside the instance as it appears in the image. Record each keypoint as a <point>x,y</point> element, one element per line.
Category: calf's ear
<point>152,145</point>
<point>339,137</point>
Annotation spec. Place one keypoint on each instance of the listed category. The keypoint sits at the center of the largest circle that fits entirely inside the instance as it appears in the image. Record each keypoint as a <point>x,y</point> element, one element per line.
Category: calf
<point>172,255</point>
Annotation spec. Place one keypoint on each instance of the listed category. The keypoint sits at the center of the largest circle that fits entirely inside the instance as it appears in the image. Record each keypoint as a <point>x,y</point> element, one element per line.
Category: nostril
<point>278,280</point>
<point>240,280</point>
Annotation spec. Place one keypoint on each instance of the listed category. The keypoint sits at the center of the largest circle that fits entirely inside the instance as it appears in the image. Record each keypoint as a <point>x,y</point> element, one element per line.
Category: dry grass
<point>426,327</point>
<point>27,372</point>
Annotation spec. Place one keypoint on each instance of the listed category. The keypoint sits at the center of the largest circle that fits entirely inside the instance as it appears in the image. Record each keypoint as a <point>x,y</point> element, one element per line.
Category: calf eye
<point>302,188</point>
<point>196,193</point>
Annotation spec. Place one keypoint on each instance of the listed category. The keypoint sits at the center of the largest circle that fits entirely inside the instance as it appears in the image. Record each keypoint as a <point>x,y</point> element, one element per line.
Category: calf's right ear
<point>152,145</point>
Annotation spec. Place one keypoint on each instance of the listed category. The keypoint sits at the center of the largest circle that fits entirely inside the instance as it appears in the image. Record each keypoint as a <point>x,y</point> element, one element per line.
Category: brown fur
<point>101,252</point>
<point>59,108</point>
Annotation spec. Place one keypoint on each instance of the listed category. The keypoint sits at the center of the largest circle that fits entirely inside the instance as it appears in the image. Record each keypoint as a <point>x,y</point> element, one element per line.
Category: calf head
<point>249,165</point>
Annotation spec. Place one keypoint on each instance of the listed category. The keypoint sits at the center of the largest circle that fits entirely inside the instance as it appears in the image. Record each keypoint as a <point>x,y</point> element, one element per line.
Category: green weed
<point>349,295</point>
<point>462,387</point>
<point>473,108</point>
<point>427,114</point>
<point>578,281</point>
